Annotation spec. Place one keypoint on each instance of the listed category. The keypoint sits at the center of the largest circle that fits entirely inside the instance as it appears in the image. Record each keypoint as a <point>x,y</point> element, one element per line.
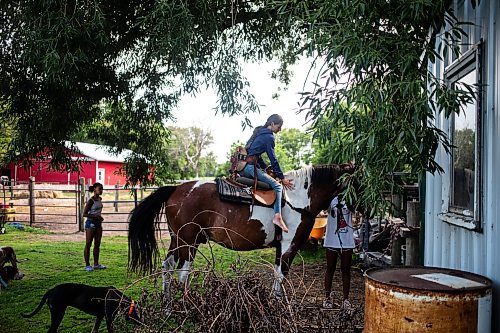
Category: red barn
<point>99,165</point>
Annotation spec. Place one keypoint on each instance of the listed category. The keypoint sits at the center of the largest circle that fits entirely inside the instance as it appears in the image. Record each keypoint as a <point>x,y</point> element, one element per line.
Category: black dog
<point>102,302</point>
<point>8,273</point>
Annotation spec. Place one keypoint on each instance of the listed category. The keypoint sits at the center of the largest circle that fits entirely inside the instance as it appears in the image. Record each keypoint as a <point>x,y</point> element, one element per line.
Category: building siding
<point>88,171</point>
<point>451,246</point>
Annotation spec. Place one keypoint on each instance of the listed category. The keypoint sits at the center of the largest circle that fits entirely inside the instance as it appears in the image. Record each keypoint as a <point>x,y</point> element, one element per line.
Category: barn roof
<point>99,152</point>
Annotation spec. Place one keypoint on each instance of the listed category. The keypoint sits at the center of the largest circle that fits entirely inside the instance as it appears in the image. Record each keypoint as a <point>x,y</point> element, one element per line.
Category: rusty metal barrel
<point>426,299</point>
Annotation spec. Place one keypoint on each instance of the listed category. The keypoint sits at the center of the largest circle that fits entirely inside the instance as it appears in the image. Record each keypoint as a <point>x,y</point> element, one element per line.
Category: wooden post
<point>31,199</point>
<point>81,203</point>
<point>412,243</point>
<point>142,193</point>
<point>11,189</point>
<point>396,201</point>
<point>88,192</point>
<point>117,195</point>
<point>135,196</point>
<point>396,250</point>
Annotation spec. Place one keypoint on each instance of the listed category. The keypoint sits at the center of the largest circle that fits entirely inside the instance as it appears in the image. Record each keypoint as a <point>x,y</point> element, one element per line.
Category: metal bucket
<point>426,299</point>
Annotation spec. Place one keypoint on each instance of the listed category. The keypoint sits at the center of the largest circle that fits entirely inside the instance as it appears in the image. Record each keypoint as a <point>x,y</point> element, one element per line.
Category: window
<point>464,204</point>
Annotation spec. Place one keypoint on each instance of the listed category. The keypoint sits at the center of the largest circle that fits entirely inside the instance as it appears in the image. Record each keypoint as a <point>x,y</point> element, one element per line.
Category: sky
<point>199,111</point>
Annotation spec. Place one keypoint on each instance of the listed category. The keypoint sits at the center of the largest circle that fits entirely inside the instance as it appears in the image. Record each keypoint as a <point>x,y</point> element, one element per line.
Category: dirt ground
<point>307,283</point>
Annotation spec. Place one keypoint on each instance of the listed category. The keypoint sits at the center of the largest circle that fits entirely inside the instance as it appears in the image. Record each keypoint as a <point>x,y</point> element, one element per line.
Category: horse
<point>195,214</point>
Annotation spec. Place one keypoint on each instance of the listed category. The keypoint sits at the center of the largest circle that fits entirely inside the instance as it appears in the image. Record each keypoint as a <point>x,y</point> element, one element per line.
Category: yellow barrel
<point>426,299</point>
<point>319,228</point>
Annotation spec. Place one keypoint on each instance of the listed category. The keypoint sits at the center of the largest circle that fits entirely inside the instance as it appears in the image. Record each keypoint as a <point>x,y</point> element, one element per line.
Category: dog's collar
<point>131,309</point>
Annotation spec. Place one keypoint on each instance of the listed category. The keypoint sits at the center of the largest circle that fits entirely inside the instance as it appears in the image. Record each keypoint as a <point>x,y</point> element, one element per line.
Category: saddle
<point>241,189</point>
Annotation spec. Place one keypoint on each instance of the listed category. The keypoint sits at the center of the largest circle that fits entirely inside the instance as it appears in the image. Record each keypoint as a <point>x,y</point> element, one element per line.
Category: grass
<point>52,261</point>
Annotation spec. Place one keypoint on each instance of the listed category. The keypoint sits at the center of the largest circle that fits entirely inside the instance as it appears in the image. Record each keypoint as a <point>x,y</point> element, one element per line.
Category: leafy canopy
<point>62,60</point>
<point>375,99</point>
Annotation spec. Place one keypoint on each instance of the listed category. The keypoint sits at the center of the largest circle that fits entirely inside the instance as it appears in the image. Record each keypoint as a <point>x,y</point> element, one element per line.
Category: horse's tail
<point>143,223</point>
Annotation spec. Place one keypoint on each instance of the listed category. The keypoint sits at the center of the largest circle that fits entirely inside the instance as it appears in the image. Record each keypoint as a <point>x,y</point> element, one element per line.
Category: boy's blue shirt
<point>264,142</point>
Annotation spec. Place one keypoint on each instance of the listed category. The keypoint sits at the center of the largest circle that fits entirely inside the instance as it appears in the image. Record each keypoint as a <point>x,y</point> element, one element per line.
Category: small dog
<point>102,302</point>
<point>7,255</point>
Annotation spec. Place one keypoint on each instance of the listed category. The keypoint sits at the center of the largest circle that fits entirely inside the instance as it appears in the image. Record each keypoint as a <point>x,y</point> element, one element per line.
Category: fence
<point>59,207</point>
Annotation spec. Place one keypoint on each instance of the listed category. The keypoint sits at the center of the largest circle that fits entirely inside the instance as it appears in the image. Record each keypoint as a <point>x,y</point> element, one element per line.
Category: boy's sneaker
<point>89,268</point>
<point>99,266</point>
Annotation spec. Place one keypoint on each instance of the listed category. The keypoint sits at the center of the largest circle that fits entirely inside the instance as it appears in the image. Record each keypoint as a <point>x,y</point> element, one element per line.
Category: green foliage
<point>293,148</point>
<point>187,155</point>
<point>464,153</point>
<point>372,104</point>
<point>60,61</point>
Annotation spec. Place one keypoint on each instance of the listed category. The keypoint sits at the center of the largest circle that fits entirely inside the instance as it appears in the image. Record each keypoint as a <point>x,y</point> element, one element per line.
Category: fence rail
<point>48,204</point>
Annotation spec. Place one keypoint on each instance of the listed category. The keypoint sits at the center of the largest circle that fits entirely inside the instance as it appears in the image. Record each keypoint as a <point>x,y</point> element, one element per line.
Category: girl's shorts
<point>92,224</point>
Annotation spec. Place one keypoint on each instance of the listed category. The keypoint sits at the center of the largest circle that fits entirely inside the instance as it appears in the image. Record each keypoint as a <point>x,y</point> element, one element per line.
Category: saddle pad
<point>229,192</point>
<point>250,182</point>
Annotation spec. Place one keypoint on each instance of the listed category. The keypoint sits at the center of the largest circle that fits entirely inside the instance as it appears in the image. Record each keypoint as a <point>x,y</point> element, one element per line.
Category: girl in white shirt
<point>339,241</point>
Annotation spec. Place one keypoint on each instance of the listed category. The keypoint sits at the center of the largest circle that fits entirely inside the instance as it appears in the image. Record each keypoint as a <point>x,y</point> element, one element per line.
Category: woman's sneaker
<point>89,268</point>
<point>99,266</point>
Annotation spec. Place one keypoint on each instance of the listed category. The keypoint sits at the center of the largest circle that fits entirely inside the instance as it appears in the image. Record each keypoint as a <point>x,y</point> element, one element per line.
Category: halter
<point>131,309</point>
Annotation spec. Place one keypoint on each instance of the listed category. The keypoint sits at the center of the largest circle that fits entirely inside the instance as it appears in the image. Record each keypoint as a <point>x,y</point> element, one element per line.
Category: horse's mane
<point>318,173</point>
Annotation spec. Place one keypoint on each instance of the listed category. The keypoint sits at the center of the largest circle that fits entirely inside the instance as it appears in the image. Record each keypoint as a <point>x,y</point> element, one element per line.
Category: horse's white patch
<point>265,216</point>
<point>169,263</point>
<point>292,220</point>
<point>184,271</point>
<point>298,197</point>
<point>198,184</point>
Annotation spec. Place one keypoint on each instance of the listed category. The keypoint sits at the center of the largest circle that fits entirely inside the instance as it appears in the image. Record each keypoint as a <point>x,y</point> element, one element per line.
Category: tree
<point>376,91</point>
<point>191,143</point>
<point>60,60</point>
<point>186,154</point>
<point>296,148</point>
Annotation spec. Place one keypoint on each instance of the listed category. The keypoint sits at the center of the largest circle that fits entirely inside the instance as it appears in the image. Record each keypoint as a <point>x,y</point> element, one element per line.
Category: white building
<point>462,205</point>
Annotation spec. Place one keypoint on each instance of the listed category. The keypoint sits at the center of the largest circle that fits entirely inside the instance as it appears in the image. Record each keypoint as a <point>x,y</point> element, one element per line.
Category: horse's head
<point>315,186</point>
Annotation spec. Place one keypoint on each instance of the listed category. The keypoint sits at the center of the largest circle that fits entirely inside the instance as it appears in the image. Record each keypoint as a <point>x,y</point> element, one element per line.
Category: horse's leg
<point>283,263</point>
<point>186,255</point>
<point>169,266</point>
<point>278,279</point>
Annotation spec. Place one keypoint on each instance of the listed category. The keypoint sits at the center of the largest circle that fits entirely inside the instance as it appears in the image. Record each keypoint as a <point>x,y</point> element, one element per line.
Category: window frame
<point>465,64</point>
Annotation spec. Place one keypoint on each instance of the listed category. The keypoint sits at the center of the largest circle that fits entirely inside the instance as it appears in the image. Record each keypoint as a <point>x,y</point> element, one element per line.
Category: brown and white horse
<point>195,215</point>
